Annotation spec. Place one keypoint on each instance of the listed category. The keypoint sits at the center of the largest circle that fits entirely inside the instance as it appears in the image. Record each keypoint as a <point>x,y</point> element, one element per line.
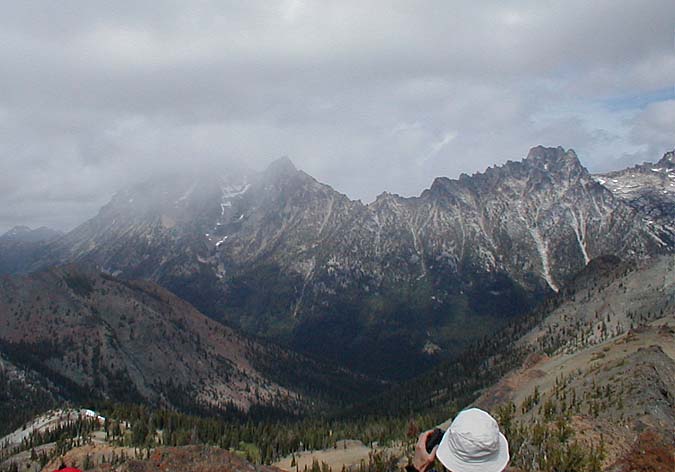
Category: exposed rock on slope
<point>605,359</point>
<point>618,299</point>
<point>610,395</point>
<point>23,393</point>
<point>49,421</point>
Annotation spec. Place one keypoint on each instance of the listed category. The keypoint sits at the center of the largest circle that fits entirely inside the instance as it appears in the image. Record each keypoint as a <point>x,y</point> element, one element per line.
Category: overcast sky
<point>366,96</point>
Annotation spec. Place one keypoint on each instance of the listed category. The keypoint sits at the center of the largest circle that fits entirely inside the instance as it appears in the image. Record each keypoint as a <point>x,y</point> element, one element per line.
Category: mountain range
<point>386,288</point>
<point>535,290</point>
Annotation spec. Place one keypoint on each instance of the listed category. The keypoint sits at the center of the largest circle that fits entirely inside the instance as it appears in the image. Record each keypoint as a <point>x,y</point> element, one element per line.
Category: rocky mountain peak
<point>17,230</point>
<point>385,196</point>
<point>649,188</point>
<point>668,159</point>
<point>542,164</point>
<point>281,167</point>
<point>439,183</point>
<point>543,152</point>
<point>553,158</point>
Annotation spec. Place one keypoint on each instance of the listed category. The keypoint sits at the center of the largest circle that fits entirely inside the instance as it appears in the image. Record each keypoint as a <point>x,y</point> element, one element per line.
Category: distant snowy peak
<point>175,193</point>
<point>28,235</point>
<point>648,187</point>
<point>175,199</point>
<point>17,231</point>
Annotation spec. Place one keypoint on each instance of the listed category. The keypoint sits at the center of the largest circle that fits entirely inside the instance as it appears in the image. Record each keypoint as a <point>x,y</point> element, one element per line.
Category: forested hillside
<point>83,336</point>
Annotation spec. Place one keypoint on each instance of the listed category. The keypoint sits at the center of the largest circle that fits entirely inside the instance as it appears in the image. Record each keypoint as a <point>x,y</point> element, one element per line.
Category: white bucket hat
<point>473,443</point>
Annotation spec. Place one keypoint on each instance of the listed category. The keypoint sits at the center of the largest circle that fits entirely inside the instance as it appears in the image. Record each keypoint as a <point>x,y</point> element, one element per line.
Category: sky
<point>367,96</point>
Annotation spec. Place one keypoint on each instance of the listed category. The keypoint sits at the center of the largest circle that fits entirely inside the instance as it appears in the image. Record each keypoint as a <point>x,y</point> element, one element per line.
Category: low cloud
<point>366,97</point>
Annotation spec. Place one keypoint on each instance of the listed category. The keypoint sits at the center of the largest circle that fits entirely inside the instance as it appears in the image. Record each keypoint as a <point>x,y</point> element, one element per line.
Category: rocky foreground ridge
<point>601,372</point>
<point>165,459</point>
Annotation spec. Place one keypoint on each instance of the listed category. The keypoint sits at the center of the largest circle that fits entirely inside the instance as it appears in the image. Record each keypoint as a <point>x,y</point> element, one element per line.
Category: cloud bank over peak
<point>366,96</point>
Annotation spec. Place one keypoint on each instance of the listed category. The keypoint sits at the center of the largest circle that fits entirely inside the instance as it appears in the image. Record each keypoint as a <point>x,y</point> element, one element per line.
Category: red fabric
<point>68,469</point>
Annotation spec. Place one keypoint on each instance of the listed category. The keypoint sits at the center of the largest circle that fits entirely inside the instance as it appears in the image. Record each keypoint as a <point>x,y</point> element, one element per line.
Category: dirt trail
<point>347,453</point>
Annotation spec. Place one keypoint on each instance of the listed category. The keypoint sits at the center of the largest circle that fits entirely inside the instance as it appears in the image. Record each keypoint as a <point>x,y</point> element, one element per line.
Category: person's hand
<point>423,460</point>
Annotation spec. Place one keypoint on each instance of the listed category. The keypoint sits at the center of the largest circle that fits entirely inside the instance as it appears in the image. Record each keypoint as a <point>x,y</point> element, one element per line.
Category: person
<point>472,443</point>
<point>64,468</point>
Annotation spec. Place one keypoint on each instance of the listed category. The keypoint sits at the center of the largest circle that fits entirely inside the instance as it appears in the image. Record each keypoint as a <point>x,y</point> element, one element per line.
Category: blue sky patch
<point>639,101</point>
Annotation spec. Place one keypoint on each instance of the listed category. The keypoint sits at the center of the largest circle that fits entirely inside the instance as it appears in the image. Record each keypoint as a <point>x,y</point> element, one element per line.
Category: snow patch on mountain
<point>187,193</point>
<point>229,192</point>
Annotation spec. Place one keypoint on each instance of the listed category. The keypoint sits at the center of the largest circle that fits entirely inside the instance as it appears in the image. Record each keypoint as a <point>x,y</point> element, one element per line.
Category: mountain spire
<point>281,166</point>
<point>668,159</point>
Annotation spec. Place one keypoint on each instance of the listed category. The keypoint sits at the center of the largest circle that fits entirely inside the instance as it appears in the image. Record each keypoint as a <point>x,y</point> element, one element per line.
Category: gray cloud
<point>366,96</point>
